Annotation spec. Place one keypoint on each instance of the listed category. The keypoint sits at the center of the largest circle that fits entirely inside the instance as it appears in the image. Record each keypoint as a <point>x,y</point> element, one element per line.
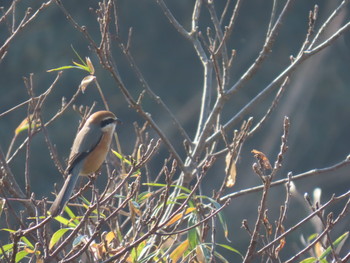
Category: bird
<point>90,148</point>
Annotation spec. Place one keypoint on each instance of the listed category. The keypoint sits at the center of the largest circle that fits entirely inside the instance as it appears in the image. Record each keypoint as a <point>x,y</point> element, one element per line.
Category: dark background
<point>316,100</point>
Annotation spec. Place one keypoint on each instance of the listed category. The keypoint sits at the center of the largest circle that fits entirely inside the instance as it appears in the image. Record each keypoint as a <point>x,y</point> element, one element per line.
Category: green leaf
<point>5,248</point>
<point>143,196</point>
<point>164,185</point>
<point>230,249</point>
<point>312,237</point>
<point>220,215</point>
<point>336,243</point>
<point>80,66</point>
<point>147,258</point>
<point>72,216</point>
<point>8,230</point>
<point>20,255</point>
<point>76,53</point>
<point>65,221</point>
<point>63,68</point>
<point>57,235</point>
<point>27,242</point>
<point>192,235</point>
<point>221,257</point>
<point>180,197</point>
<point>121,157</point>
<point>309,260</point>
<point>135,252</point>
<point>143,255</point>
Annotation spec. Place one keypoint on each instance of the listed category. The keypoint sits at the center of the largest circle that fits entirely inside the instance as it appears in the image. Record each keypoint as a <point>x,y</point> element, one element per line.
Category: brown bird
<point>89,150</point>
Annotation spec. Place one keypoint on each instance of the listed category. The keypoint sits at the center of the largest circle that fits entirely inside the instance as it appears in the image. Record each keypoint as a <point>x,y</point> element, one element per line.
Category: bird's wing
<point>85,142</point>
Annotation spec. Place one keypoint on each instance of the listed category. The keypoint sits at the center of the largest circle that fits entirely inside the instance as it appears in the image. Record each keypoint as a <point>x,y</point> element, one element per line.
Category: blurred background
<point>316,100</point>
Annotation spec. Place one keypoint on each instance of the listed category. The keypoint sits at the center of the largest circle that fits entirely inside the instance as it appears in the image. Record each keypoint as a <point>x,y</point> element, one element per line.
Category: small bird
<point>89,150</point>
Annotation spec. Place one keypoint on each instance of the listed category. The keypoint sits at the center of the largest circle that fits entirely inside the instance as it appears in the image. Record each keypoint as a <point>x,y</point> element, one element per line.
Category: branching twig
<point>314,172</point>
<point>300,223</point>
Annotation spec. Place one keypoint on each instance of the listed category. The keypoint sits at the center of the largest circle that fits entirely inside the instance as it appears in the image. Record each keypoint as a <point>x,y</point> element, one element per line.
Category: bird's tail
<point>65,193</point>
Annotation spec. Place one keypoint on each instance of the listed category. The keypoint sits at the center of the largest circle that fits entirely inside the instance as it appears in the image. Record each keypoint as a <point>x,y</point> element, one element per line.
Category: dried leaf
<point>179,251</point>
<point>2,204</point>
<point>200,254</point>
<point>134,207</point>
<point>98,250</point>
<point>267,224</point>
<point>230,170</point>
<point>86,82</point>
<point>90,66</point>
<point>263,160</point>
<point>279,247</point>
<point>180,215</point>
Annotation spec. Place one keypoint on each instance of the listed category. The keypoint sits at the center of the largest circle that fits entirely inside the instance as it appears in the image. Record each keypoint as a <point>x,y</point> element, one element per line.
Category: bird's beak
<point>118,121</point>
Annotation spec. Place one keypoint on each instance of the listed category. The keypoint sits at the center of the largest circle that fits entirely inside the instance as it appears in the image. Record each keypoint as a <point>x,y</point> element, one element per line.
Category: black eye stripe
<point>106,121</point>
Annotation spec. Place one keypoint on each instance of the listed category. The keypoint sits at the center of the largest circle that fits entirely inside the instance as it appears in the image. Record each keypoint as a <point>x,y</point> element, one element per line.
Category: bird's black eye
<point>106,121</point>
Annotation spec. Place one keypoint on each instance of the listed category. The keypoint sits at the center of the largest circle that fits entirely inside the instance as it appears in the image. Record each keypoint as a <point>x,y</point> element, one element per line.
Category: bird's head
<point>106,120</point>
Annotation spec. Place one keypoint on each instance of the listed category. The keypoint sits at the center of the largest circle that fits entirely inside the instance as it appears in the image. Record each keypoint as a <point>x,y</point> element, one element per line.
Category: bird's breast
<point>97,156</point>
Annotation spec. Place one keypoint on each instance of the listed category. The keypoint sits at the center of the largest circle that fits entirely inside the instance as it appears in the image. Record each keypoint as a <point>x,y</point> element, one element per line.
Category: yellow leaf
<point>179,251</point>
<point>24,125</point>
<point>230,170</point>
<point>86,81</point>
<point>28,250</point>
<point>109,237</point>
<point>180,215</point>
<point>318,249</point>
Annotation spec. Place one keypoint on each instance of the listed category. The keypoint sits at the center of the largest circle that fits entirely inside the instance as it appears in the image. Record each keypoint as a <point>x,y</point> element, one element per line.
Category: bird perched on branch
<point>89,150</point>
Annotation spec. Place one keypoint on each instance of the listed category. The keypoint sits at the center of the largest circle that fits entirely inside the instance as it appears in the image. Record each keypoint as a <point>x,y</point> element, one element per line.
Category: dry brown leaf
<point>134,208</point>
<point>90,66</point>
<point>230,170</point>
<point>279,247</point>
<point>97,249</point>
<point>267,224</point>
<point>200,254</point>
<point>86,82</point>
<point>263,160</point>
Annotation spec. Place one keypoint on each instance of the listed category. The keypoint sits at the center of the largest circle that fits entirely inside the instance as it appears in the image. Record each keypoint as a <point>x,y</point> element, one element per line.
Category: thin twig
<point>314,172</point>
<point>300,223</point>
<point>327,22</point>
